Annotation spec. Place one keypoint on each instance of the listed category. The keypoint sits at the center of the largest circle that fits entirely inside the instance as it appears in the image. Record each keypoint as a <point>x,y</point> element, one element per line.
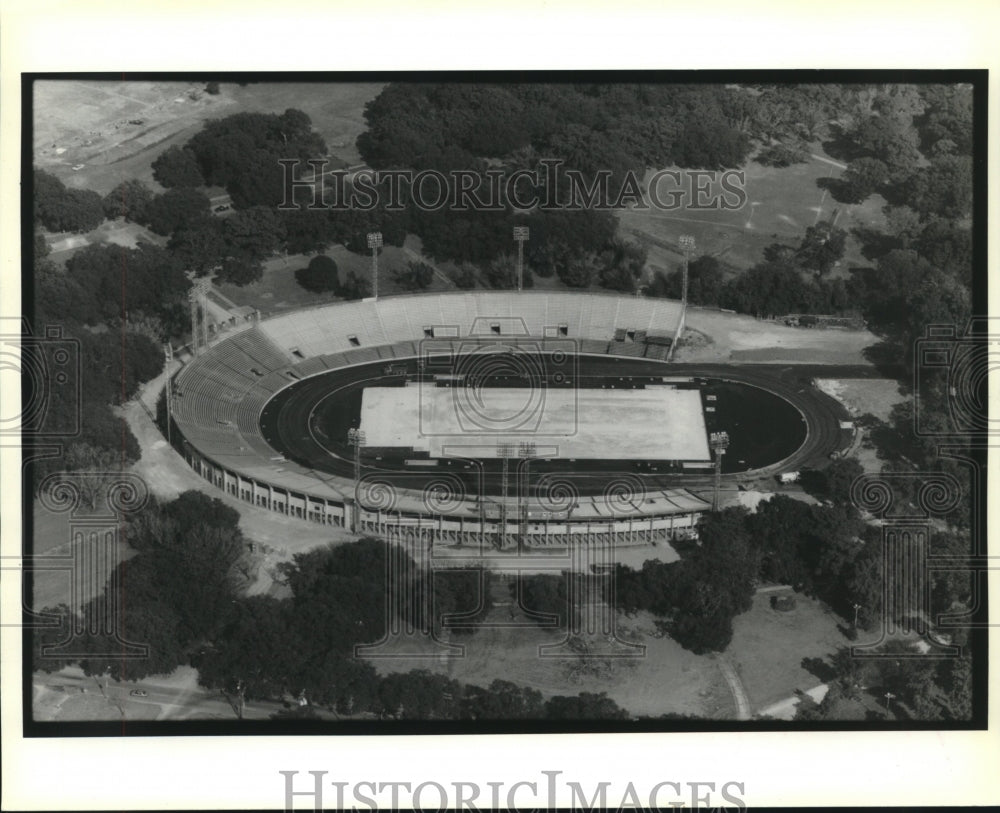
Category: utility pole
<point>503,452</point>
<point>520,234</point>
<point>718,441</point>
<point>375,243</point>
<point>356,438</point>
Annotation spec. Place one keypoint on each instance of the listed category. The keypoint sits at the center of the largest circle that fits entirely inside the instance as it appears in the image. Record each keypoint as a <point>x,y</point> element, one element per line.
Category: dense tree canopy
<point>241,152</point>
<point>175,208</point>
<point>177,167</point>
<point>130,200</point>
<point>60,209</point>
<point>320,275</point>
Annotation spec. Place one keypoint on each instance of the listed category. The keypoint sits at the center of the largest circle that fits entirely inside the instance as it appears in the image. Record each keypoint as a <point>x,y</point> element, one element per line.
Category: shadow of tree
<point>820,668</point>
<point>886,357</point>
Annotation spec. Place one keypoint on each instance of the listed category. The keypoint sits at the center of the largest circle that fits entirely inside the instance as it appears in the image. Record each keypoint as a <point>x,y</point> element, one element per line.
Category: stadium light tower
<point>503,452</point>
<point>527,450</point>
<point>718,441</point>
<point>520,235</point>
<point>686,242</point>
<point>375,243</point>
<point>356,438</point>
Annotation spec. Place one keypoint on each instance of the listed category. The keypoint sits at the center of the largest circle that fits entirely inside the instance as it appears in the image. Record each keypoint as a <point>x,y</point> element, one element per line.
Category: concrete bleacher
<point>219,395</point>
<point>329,329</point>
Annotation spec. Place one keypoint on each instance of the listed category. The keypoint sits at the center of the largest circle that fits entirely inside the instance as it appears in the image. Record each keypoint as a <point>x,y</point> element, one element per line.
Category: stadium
<point>506,421</point>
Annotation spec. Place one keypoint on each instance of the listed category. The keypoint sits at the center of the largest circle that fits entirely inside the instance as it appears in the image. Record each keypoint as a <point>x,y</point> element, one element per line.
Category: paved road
<point>735,686</point>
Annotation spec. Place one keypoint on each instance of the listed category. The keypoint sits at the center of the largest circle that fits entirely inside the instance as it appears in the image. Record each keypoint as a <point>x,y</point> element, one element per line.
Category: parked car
<point>138,693</point>
<point>221,208</point>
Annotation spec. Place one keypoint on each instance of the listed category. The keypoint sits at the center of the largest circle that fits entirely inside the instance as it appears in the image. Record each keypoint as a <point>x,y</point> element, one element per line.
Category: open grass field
<point>278,291</point>
<point>769,646</point>
<point>665,679</point>
<point>767,655</point>
<point>55,578</point>
<point>781,204</point>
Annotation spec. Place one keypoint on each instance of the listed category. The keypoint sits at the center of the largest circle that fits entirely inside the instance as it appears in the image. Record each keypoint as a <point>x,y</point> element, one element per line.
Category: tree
<point>466,278</point>
<point>241,152</point>
<point>503,700</point>
<point>416,276</point>
<point>60,209</point>
<point>501,272</point>
<point>418,695</point>
<point>319,276</point>
<point>944,189</point>
<point>130,200</point>
<point>308,230</point>
<point>889,139</point>
<point>579,271</point>
<point>212,88</point>
<point>783,155</point>
<point>199,245</point>
<point>258,650</point>
<point>822,246</point>
<point>123,282</point>
<point>177,167</point>
<point>544,595</point>
<point>705,280</point>
<point>838,478</point>
<point>241,271</point>
<point>584,706</point>
<point>176,208</point>
<point>355,287</point>
<point>257,232</point>
<point>623,265</point>
<point>771,288</point>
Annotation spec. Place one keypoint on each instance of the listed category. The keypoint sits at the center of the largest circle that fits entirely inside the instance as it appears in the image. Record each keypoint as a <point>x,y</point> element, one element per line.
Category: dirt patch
<point>861,396</point>
<point>718,336</point>
<point>113,130</point>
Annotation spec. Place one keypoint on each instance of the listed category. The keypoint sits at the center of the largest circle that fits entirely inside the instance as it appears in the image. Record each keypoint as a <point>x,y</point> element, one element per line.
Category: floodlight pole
<point>356,438</point>
<point>503,452</point>
<point>375,243</point>
<point>520,235</point>
<point>718,441</point>
<point>527,451</point>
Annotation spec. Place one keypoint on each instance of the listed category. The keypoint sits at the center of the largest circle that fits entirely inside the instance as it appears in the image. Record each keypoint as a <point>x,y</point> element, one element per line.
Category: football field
<point>656,423</point>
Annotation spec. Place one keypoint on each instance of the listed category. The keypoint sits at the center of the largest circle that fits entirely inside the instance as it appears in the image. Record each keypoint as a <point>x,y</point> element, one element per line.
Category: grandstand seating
<point>219,396</point>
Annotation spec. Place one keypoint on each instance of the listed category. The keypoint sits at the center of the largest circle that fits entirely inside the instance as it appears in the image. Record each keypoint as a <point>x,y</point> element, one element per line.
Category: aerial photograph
<point>500,402</point>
